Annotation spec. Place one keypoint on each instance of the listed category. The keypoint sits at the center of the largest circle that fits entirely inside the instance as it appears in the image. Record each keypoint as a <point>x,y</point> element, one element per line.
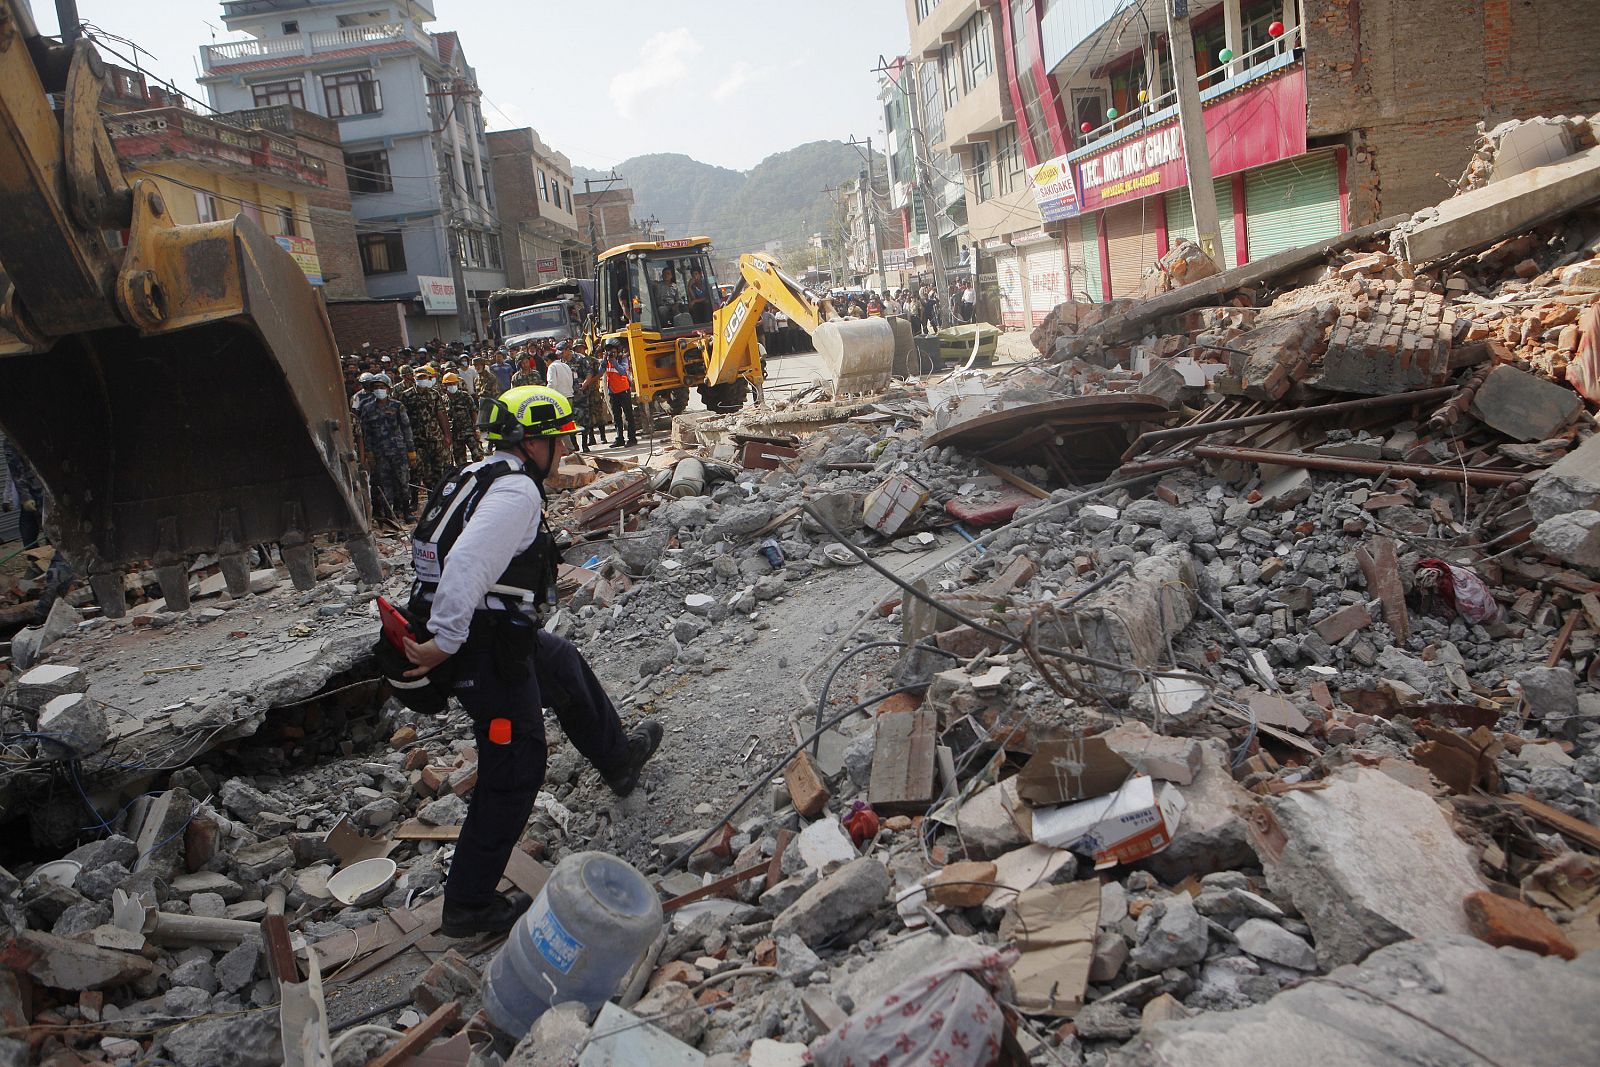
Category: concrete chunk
<point>834,904</point>
<point>61,963</point>
<point>1172,759</point>
<point>77,726</point>
<point>1571,483</point>
<point>1420,1002</point>
<point>1369,862</point>
<point>1211,835</point>
<point>1524,406</point>
<point>43,684</point>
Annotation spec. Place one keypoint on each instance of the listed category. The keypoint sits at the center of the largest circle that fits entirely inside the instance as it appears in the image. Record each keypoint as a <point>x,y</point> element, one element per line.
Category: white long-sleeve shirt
<point>559,377</point>
<point>505,523</point>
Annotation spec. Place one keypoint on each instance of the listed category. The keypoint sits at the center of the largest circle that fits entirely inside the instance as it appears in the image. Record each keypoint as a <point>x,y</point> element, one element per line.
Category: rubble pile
<point>1177,697</point>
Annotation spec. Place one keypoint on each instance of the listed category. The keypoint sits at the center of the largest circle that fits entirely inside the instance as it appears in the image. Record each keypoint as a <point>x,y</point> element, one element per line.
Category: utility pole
<point>873,218</point>
<point>594,205</point>
<point>1196,157</point>
<point>919,148</point>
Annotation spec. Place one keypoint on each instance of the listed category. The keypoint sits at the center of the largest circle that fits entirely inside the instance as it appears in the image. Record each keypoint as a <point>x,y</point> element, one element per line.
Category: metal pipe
<point>71,25</point>
<point>1342,465</point>
<point>1201,429</point>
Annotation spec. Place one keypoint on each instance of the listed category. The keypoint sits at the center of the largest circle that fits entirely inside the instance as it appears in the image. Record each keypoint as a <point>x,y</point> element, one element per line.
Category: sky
<point>728,83</point>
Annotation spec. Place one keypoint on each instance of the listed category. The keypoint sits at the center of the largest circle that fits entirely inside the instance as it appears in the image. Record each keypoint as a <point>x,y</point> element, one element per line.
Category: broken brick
<point>807,790</point>
<point>1506,923</point>
<point>1342,623</point>
<point>963,885</point>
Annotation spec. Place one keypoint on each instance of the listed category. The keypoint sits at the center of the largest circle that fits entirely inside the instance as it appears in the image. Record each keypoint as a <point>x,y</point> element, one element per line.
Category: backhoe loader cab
<point>662,296</point>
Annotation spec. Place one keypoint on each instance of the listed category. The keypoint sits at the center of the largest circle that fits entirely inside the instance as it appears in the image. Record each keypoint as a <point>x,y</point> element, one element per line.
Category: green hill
<point>780,199</point>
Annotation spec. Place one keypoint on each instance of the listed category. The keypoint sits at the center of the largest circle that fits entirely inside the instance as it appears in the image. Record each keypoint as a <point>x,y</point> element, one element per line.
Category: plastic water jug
<point>586,929</point>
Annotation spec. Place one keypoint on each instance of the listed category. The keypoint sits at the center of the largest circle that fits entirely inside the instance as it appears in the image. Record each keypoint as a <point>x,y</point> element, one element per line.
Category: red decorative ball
<point>1085,128</point>
<point>1275,30</point>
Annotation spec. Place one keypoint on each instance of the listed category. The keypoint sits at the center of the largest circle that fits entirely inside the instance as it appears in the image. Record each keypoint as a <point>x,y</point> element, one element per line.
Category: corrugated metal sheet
<point>1131,245</point>
<point>1088,249</point>
<point>1180,218</point>
<point>1046,268</point>
<point>1292,203</point>
<point>1008,273</point>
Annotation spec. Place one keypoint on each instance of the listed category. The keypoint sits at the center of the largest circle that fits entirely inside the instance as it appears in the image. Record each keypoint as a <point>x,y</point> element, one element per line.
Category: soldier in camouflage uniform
<point>388,449</point>
<point>591,402</point>
<point>430,428</point>
<point>528,372</point>
<point>463,421</point>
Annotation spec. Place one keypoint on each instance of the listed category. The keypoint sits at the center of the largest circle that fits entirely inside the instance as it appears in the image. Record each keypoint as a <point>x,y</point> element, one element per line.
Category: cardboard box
<point>765,455</point>
<point>892,504</point>
<point>1130,824</point>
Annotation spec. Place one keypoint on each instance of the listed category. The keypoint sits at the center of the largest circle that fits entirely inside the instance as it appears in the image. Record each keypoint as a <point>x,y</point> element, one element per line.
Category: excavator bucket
<point>857,354</point>
<point>223,427</point>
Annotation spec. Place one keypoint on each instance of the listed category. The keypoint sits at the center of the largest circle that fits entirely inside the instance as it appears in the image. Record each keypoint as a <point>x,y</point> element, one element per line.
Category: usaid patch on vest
<point>425,558</point>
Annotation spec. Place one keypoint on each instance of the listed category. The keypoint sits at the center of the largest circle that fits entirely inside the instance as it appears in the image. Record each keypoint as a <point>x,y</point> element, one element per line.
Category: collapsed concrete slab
<point>1479,218</point>
<point>1128,621</point>
<point>1369,862</point>
<point>1570,484</point>
<point>1212,834</point>
<point>1440,1000</point>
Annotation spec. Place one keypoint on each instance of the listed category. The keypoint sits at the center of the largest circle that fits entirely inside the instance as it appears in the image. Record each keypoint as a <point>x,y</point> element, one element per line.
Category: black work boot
<point>643,740</point>
<point>495,917</point>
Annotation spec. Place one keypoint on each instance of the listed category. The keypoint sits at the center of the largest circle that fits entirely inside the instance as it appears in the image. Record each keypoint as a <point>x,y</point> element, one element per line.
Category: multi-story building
<point>539,227</point>
<point>212,168</point>
<point>1320,115</point>
<point>411,125</point>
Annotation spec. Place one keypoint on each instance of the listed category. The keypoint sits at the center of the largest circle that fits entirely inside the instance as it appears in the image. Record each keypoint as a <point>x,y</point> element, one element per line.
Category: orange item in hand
<point>500,731</point>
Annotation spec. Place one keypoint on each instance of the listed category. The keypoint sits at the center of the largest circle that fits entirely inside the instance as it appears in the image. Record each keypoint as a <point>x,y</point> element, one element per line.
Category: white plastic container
<point>586,929</point>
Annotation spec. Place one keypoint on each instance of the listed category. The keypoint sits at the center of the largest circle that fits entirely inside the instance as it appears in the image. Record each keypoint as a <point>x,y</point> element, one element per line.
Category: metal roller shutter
<point>1008,273</point>
<point>1046,270</point>
<point>1180,218</point>
<point>1088,261</point>
<point>1131,242</point>
<point>1292,203</point>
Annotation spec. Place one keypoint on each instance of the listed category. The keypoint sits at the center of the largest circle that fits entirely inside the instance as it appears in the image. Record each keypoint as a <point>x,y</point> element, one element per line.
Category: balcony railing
<point>311,44</point>
<point>161,133</point>
<point>1281,51</point>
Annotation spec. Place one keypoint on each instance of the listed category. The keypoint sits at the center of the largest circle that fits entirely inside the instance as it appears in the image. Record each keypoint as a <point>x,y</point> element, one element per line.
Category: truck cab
<point>557,311</point>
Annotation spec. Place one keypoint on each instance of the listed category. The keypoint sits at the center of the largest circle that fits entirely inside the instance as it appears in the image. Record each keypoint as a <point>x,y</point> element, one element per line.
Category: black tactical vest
<point>530,577</point>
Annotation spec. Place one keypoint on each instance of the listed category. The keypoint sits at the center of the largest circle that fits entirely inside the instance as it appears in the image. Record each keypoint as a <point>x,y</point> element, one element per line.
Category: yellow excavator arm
<point>179,395</point>
<point>858,353</point>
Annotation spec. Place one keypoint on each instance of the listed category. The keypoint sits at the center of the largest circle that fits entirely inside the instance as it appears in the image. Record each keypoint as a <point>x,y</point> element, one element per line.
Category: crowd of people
<point>919,304</point>
<point>416,409</point>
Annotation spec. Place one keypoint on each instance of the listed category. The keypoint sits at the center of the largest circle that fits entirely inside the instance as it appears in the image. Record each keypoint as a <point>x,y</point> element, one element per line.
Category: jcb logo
<point>735,321</point>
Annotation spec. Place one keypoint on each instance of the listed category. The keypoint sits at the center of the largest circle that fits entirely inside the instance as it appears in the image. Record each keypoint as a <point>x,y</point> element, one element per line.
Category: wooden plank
<point>1559,649</point>
<point>418,1037</point>
<point>902,763</point>
<point>775,868</point>
<point>430,915</point>
<point>1381,567</point>
<point>417,830</point>
<point>1575,829</point>
<point>822,1011</point>
<point>720,886</point>
<point>1009,476</point>
<point>281,964</point>
<point>526,873</point>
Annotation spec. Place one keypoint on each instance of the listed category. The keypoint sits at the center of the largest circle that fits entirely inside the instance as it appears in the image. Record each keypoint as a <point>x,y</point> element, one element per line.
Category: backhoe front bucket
<point>857,354</point>
<point>224,426</point>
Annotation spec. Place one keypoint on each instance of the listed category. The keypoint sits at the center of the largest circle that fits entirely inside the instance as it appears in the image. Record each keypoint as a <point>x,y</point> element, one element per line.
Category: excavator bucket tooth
<point>224,424</point>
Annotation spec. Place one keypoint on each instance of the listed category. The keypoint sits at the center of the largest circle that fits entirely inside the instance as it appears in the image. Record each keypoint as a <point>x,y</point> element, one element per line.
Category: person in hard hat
<point>618,373</point>
<point>387,449</point>
<point>430,426</point>
<point>485,564</point>
<point>463,415</point>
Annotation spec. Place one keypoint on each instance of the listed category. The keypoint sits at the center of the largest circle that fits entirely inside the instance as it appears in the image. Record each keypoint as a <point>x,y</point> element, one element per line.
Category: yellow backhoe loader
<point>177,387</point>
<point>682,333</point>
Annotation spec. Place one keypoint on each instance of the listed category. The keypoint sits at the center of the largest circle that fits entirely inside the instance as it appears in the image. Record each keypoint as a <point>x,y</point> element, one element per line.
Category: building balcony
<point>251,9</point>
<point>171,133</point>
<point>217,58</point>
<point>977,114</point>
<point>942,25</point>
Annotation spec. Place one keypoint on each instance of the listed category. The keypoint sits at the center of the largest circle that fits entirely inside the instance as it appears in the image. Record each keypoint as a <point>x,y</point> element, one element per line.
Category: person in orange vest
<point>619,385</point>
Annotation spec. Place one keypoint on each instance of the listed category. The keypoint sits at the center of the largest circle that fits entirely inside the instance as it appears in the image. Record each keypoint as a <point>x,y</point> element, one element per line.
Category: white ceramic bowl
<point>362,883</point>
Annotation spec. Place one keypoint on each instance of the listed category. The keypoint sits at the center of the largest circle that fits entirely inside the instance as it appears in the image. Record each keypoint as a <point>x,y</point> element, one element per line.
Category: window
<point>271,94</point>
<point>470,175</point>
<point>474,248</point>
<point>1208,45</point>
<point>382,253</point>
<point>286,222</point>
<point>491,243</point>
<point>947,72</point>
<point>544,187</point>
<point>977,51</point>
<point>488,192</point>
<point>982,186</point>
<point>1257,19</point>
<point>1025,45</point>
<point>1089,105</point>
<point>925,8</point>
<point>292,26</point>
<point>354,92</point>
<point>206,207</point>
<point>436,102</point>
<point>368,172</point>
<point>1007,158</point>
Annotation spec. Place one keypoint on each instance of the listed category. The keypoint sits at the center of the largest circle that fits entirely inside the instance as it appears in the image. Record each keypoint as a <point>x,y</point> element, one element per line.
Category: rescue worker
<point>528,373</point>
<point>619,386</point>
<point>430,428</point>
<point>389,450</point>
<point>485,562</point>
<point>463,418</point>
